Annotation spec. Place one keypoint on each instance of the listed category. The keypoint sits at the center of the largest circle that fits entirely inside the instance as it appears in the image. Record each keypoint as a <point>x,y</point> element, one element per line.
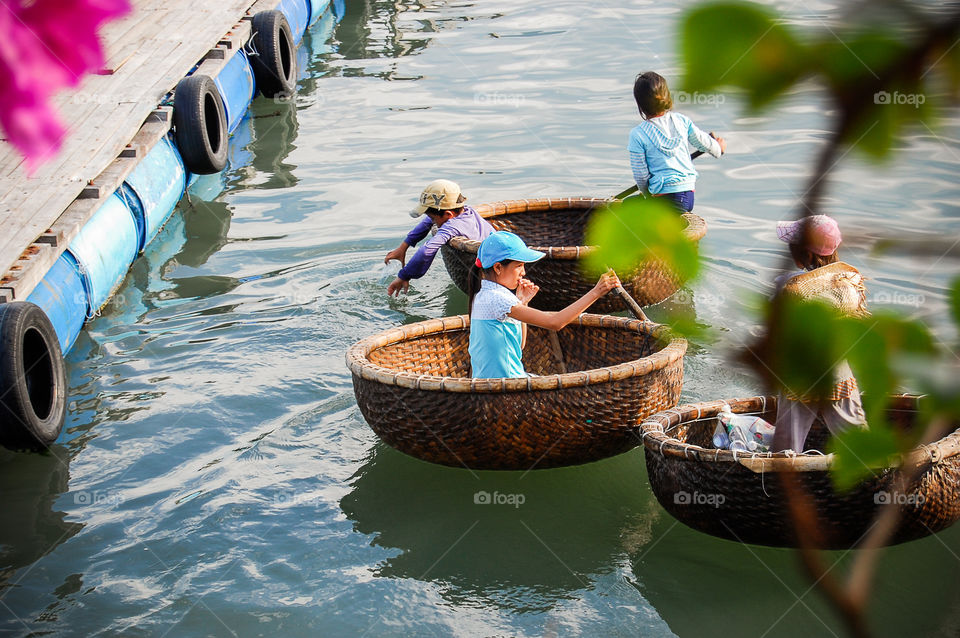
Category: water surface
<point>216,477</point>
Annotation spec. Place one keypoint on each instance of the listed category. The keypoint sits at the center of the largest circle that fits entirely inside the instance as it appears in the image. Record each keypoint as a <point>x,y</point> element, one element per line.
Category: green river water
<point>215,476</point>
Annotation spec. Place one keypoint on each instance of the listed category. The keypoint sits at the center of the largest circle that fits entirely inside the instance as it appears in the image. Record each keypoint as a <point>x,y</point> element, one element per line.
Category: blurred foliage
<point>742,45</point>
<point>807,338</point>
<point>882,75</point>
<point>638,230</point>
<point>871,70</point>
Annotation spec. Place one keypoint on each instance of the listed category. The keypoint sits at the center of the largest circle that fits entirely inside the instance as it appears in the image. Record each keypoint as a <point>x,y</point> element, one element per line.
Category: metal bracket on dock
<point>236,38</point>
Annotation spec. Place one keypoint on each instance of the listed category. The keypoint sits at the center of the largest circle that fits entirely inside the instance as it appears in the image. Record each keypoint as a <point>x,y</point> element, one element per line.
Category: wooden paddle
<point>630,302</point>
<point>633,189</point>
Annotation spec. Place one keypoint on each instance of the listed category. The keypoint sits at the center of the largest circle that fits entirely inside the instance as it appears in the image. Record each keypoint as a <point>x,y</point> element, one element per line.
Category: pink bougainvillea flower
<point>46,45</point>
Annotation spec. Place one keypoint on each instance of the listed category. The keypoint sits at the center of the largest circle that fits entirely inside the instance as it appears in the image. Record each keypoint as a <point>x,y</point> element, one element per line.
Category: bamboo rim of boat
<point>358,361</point>
<point>655,434</point>
<point>695,231</point>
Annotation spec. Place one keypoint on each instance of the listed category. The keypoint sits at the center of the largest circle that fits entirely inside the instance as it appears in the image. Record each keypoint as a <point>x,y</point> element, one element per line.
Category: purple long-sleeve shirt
<point>467,224</point>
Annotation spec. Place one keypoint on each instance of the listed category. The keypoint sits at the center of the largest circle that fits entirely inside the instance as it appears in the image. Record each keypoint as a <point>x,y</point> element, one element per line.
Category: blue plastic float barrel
<point>158,182</point>
<point>297,13</point>
<point>105,247</point>
<point>237,88</point>
<point>62,296</point>
<point>317,7</point>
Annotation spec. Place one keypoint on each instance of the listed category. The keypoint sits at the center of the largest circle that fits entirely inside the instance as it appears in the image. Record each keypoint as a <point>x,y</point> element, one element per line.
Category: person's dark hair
<point>810,260</point>
<point>652,94</point>
<point>440,211</point>
<point>475,276</point>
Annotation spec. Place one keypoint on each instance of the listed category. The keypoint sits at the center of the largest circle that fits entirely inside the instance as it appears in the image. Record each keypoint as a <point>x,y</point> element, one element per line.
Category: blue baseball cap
<point>503,245</point>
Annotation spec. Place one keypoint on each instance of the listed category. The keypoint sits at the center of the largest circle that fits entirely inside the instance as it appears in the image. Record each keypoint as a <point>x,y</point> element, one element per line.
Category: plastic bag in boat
<point>742,433</point>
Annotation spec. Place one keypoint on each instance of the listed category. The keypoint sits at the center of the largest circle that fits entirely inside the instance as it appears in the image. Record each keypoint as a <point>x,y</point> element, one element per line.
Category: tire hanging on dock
<point>200,120</point>
<point>273,57</point>
<point>33,395</point>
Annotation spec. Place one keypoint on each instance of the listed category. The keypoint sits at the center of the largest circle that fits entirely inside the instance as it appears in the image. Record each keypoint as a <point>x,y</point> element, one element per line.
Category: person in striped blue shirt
<point>659,145</point>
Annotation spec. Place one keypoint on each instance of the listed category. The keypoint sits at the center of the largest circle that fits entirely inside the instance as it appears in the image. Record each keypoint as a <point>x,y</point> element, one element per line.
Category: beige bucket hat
<point>440,193</point>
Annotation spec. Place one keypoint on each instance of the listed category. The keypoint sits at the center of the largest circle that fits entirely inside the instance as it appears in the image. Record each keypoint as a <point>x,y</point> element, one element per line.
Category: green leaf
<point>630,233</point>
<point>874,131</point>
<point>805,345</point>
<point>877,343</point>
<point>869,360</point>
<point>849,60</point>
<point>740,44</point>
<point>686,326</point>
<point>859,453</point>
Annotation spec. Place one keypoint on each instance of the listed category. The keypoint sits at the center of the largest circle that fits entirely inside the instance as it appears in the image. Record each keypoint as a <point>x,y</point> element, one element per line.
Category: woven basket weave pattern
<point>619,370</point>
<point>681,461</point>
<point>556,226</point>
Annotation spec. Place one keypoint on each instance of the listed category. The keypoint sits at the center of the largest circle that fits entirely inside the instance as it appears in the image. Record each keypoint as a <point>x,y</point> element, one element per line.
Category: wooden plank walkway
<point>148,52</point>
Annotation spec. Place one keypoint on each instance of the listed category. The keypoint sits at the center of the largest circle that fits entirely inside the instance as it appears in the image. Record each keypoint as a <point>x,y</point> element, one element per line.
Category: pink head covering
<point>821,235</point>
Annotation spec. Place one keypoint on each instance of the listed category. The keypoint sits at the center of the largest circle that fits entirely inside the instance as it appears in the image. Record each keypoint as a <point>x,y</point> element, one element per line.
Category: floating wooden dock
<point>112,120</point>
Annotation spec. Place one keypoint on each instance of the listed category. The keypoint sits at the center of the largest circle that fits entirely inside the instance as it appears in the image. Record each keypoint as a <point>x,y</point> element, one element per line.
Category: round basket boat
<point>556,226</point>
<point>599,377</point>
<point>741,496</point>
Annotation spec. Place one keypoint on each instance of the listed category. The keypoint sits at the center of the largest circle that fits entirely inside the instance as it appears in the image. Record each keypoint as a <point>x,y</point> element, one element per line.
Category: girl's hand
<point>526,291</point>
<point>607,282</point>
<point>722,142</point>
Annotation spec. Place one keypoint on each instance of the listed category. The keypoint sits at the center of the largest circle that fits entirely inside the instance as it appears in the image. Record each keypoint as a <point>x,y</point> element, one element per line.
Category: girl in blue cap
<point>499,295</point>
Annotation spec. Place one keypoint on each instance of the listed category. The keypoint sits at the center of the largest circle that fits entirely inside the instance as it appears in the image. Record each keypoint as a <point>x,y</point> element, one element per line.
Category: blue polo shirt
<point>496,339</point>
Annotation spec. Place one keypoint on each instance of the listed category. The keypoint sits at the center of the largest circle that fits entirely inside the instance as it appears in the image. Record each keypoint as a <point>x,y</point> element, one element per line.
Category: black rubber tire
<point>33,381</point>
<point>200,121</point>
<point>275,63</point>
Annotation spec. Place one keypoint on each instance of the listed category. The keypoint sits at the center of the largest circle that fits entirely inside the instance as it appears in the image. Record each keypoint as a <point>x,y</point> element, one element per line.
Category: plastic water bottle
<point>742,433</point>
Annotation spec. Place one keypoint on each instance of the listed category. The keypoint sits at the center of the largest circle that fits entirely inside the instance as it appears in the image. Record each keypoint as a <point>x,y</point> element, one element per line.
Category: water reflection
<point>275,128</point>
<point>371,30</point>
<point>31,527</point>
<point>550,536</point>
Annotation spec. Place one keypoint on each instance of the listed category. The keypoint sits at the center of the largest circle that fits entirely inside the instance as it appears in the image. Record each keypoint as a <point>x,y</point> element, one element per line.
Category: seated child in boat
<point>658,146</point>
<point>499,313</point>
<point>813,244</point>
<point>441,205</point>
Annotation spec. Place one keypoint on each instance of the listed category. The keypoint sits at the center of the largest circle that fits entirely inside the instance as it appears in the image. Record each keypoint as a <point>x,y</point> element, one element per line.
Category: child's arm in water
<point>560,318</point>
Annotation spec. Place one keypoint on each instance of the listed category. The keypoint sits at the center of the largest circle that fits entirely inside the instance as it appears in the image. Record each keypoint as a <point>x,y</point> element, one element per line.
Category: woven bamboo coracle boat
<point>556,227</point>
<point>598,379</point>
<point>740,496</point>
